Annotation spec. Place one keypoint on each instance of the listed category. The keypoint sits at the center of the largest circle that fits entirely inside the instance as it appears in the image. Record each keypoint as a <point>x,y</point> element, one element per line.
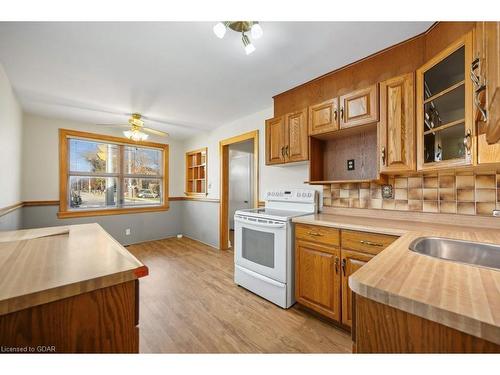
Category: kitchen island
<point>71,289</point>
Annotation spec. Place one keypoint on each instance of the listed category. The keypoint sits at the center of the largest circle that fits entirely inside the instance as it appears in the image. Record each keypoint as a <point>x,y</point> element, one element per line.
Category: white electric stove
<point>264,249</point>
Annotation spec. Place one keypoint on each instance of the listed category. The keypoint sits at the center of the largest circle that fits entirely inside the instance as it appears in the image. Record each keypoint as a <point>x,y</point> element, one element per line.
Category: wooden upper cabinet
<point>486,68</point>
<point>323,117</point>
<point>275,140</point>
<point>359,107</point>
<point>297,145</point>
<point>317,278</point>
<point>350,263</point>
<point>444,109</point>
<point>397,124</point>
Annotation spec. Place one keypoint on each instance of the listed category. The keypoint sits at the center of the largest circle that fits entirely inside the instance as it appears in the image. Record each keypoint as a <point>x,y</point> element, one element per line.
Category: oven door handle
<point>259,223</point>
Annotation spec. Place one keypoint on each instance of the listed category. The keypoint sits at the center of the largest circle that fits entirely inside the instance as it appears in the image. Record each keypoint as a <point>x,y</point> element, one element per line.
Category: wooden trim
<point>63,174</point>
<point>361,60</point>
<point>112,211</point>
<point>191,198</point>
<point>224,181</point>
<point>40,203</point>
<point>8,209</point>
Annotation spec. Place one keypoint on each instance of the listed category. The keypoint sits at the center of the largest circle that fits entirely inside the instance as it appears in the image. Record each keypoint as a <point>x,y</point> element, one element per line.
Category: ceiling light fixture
<point>135,135</point>
<point>241,27</point>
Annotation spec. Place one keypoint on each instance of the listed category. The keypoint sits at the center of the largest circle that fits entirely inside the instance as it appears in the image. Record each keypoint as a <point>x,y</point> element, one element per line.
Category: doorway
<point>239,158</point>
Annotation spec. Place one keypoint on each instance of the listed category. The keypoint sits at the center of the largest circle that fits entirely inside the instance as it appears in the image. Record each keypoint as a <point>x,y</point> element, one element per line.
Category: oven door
<point>260,246</point>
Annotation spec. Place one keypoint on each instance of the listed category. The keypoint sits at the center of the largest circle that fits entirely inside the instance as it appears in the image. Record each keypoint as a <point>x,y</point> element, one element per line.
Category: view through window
<point>104,175</point>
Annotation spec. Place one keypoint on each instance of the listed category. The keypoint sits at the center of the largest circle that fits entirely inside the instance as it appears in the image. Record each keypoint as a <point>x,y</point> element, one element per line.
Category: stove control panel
<point>292,195</point>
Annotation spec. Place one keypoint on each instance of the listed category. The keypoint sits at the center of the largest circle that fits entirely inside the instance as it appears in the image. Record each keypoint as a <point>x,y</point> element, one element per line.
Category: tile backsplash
<point>463,193</point>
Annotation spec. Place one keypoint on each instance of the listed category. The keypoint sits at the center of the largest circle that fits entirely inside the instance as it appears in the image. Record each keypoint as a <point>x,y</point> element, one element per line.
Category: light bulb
<point>249,48</point>
<point>135,135</point>
<point>256,31</point>
<point>220,30</point>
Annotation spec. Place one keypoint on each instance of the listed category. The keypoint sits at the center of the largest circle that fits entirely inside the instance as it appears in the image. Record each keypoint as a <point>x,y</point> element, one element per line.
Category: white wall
<point>292,175</point>
<point>41,156</point>
<point>10,143</point>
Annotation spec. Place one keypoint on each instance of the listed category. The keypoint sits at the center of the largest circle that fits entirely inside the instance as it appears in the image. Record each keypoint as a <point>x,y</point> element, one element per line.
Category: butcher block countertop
<point>43,265</point>
<point>460,296</point>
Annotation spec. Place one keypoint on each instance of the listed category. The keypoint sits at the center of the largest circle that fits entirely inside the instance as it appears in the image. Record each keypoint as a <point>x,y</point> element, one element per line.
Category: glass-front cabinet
<point>445,131</point>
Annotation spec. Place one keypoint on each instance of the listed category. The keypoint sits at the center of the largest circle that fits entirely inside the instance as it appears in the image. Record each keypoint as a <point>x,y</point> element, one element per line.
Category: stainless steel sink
<point>473,253</point>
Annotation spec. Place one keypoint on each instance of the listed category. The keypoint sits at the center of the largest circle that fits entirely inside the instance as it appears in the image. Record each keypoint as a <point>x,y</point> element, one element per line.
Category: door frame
<point>224,181</point>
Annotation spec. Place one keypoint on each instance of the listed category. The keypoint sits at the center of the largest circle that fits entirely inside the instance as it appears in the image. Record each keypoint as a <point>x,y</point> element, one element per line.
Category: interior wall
<point>41,156</point>
<point>10,152</point>
<point>270,176</point>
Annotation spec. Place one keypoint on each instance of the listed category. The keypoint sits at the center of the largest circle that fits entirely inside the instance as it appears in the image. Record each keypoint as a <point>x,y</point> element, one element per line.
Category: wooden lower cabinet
<point>380,328</point>
<point>351,261</point>
<point>324,259</point>
<point>317,278</point>
<point>101,321</point>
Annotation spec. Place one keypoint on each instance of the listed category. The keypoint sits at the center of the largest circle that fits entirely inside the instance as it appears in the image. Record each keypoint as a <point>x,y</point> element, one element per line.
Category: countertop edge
<point>468,325</point>
<point>358,227</point>
<point>26,301</point>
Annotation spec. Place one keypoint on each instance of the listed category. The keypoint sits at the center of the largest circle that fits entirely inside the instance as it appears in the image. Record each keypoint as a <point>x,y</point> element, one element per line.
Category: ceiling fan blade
<point>114,125</point>
<point>156,132</point>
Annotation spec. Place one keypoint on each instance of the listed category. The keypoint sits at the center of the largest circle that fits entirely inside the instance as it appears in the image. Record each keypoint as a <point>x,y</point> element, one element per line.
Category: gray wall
<point>143,226</point>
<point>12,221</point>
<point>196,219</point>
<point>200,221</point>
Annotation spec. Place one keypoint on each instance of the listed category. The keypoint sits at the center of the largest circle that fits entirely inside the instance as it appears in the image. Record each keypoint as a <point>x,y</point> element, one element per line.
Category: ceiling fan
<point>136,130</point>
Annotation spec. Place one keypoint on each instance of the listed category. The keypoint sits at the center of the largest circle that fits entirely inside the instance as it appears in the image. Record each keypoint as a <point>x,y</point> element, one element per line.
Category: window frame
<point>66,212</point>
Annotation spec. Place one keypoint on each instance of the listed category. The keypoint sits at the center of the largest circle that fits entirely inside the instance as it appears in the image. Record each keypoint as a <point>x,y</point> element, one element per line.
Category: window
<point>103,175</point>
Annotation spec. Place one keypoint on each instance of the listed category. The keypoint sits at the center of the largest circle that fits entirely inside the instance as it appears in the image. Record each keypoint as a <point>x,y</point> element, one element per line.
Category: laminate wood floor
<point>190,304</point>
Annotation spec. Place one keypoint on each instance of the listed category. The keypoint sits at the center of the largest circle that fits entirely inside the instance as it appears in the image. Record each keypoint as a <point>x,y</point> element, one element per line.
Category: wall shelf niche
<point>329,153</point>
<point>196,172</point>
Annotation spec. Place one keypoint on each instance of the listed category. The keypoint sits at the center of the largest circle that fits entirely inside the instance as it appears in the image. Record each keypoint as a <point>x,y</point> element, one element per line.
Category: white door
<point>240,183</point>
<point>260,246</point>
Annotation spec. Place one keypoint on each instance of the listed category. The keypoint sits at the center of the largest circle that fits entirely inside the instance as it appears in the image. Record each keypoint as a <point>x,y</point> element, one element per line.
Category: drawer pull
<point>315,234</point>
<point>369,243</point>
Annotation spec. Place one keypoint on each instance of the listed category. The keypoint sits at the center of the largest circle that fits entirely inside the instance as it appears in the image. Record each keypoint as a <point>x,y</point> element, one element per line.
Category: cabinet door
<point>323,117</point>
<point>275,140</point>
<point>397,124</point>
<point>351,262</point>
<point>492,57</point>
<point>317,278</point>
<point>445,124</point>
<point>359,107</point>
<point>297,147</point>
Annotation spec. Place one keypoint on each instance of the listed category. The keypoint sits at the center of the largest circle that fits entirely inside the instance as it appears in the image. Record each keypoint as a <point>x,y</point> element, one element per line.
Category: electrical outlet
<point>387,191</point>
<point>127,232</point>
<point>350,165</point>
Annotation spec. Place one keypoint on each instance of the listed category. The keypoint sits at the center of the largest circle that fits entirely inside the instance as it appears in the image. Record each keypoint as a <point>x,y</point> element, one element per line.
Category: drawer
<point>316,233</point>
<point>371,243</point>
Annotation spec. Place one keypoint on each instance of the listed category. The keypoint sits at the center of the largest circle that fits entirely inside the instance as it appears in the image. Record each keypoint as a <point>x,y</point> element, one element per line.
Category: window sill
<point>114,211</point>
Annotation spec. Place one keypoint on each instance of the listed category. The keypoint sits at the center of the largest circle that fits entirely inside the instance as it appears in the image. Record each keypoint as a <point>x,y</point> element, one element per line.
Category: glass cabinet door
<point>444,109</point>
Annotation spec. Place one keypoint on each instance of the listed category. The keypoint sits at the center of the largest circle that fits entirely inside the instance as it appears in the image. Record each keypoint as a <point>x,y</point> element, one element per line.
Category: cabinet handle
<point>343,266</point>
<point>369,243</point>
<point>382,155</point>
<point>283,152</point>
<point>467,143</point>
<point>287,150</point>
<point>336,264</point>
<point>478,86</point>
<point>315,234</point>
<point>335,115</point>
<point>342,113</point>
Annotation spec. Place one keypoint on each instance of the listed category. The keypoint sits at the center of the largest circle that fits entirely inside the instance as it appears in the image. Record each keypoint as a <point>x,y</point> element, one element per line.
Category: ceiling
<point>177,72</point>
